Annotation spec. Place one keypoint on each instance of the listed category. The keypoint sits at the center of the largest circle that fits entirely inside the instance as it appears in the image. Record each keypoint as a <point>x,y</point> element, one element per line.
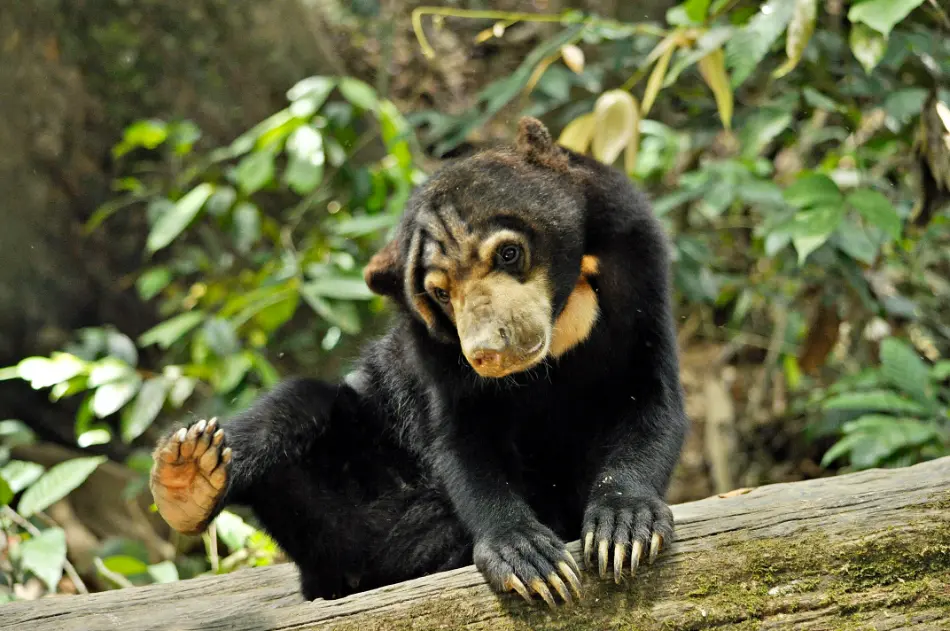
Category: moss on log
<point>868,550</point>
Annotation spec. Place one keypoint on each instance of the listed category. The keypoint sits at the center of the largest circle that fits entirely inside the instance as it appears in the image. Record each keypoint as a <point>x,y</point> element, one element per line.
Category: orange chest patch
<point>576,322</point>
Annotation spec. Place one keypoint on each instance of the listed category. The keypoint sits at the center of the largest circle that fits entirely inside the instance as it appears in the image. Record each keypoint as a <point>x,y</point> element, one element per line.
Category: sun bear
<point>526,394</point>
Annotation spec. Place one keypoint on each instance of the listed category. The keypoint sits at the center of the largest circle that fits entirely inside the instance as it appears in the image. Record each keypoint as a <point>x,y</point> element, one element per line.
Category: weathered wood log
<point>868,550</point>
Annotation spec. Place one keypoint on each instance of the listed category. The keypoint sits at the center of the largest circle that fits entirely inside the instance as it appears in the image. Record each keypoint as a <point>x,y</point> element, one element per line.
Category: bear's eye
<point>440,294</point>
<point>509,255</point>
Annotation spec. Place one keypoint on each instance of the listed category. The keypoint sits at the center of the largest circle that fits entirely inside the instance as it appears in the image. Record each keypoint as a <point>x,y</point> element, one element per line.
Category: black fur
<point>415,465</point>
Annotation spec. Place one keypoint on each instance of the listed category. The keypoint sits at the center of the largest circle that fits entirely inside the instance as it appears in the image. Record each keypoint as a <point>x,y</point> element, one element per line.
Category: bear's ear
<point>535,143</point>
<point>384,272</point>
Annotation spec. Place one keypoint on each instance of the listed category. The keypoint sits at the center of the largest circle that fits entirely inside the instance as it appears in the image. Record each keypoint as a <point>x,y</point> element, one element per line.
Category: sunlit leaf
<point>314,89</point>
<point>363,225</point>
<point>152,282</point>
<point>358,93</point>
<point>800,30</point>
<point>873,401</point>
<point>254,171</point>
<point>578,134</point>
<point>813,228</point>
<point>45,555</point>
<point>171,330</point>
<point>6,491</point>
<point>107,370</point>
<point>655,81</point>
<point>246,226</point>
<point>748,47</point>
<point>616,115</point>
<point>20,474</point>
<point>877,210</point>
<point>573,57</point>
<point>712,67</point>
<point>233,369</point>
<point>181,389</point>
<point>43,372</point>
<point>813,189</point>
<point>148,403</point>
<point>145,133</point>
<point>696,9</point>
<point>941,370</point>
<point>109,398</point>
<point>232,530</point>
<point>867,45</point>
<point>882,15</point>
<point>903,367</point>
<point>58,482</point>
<point>339,288</point>
<point>173,221</point>
<point>164,572</point>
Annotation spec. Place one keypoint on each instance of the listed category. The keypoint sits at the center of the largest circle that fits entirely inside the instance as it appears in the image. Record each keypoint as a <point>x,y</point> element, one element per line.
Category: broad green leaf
<point>20,474</point>
<point>109,398</point>
<point>874,401</point>
<point>877,210</point>
<point>221,200</point>
<point>43,372</point>
<point>125,565</point>
<point>655,81</point>
<point>696,10</point>
<point>254,171</point>
<point>121,346</point>
<point>94,436</point>
<point>363,225</point>
<point>265,370</point>
<point>339,288</point>
<point>748,47</point>
<point>273,314</point>
<point>45,555</point>
<point>799,32</point>
<point>397,133</point>
<point>341,314</point>
<point>903,105</point>
<point>144,133</point>
<point>358,93</point>
<point>892,433</point>
<point>58,482</point>
<point>814,189</point>
<point>108,370</point>
<point>941,370</point>
<point>171,330</point>
<point>152,282</point>
<point>813,228</point>
<point>853,240</point>
<point>182,388</point>
<point>174,221</point>
<point>220,336</point>
<point>712,67</point>
<point>6,491</point>
<point>246,226</point>
<point>882,15</point>
<point>867,45</point>
<point>14,432</point>
<point>617,116</point>
<point>315,89</point>
<point>302,176</point>
<point>164,572</point>
<point>147,405</point>
<point>232,530</point>
<point>578,134</point>
<point>903,367</point>
<point>709,41</point>
<point>232,371</point>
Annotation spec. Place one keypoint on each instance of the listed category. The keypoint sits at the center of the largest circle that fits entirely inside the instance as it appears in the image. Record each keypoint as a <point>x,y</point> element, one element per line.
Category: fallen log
<point>868,550</point>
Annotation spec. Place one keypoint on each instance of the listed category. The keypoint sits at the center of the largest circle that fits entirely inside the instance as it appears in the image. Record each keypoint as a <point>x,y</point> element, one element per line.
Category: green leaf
<point>749,46</point>
<point>814,189</point>
<point>339,288</point>
<point>799,32</point>
<point>182,388</point>
<point>232,371</point>
<point>853,240</point>
<point>152,282</point>
<point>15,432</point>
<point>254,171</point>
<point>220,336</point>
<point>873,401</point>
<point>164,572</point>
<point>170,331</point>
<point>363,225</point>
<point>174,221</point>
<point>358,93</point>
<point>43,372</point>
<point>246,226</point>
<point>867,45</point>
<point>342,314</point>
<point>108,370</point>
<point>903,105</point>
<point>316,89</point>
<point>903,367</point>
<point>302,176</point>
<point>761,128</point>
<point>125,565</point>
<point>877,210</point>
<point>941,370</point>
<point>57,483</point>
<point>813,228</point>
<point>696,10</point>
<point>221,201</point>
<point>20,474</point>
<point>882,15</point>
<point>891,434</point>
<point>109,398</point>
<point>232,530</point>
<point>144,133</point>
<point>147,405</point>
<point>45,555</point>
<point>6,492</point>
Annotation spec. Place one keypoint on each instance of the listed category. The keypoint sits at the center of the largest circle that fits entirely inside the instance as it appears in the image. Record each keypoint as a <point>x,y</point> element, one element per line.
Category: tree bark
<point>868,550</point>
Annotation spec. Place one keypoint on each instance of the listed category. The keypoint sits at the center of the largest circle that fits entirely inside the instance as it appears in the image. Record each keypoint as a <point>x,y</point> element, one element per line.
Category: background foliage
<point>797,151</point>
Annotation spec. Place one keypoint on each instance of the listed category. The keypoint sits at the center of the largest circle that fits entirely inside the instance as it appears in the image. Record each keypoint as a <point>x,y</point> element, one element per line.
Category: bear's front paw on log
<point>631,523</point>
<point>189,475</point>
<point>526,559</point>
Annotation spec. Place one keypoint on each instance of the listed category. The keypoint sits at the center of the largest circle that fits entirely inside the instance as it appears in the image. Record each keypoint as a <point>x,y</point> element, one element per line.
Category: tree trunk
<point>869,550</point>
